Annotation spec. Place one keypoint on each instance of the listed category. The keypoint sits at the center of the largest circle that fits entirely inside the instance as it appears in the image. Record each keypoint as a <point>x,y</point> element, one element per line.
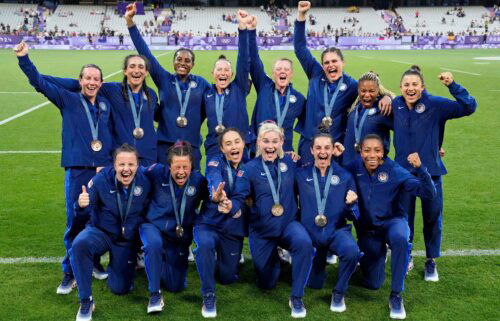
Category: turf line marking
<point>30,152</point>
<point>18,92</point>
<point>57,259</point>
<point>463,72</point>
<point>27,111</point>
<point>403,62</point>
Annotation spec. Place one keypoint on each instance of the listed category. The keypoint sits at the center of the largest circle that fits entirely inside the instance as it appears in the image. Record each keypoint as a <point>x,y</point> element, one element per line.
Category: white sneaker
<point>338,303</point>
<point>67,285</point>
<point>431,272</point>
<point>297,306</point>
<point>284,255</point>
<point>155,302</point>
<point>396,307</point>
<point>191,255</point>
<point>410,265</point>
<point>87,306</point>
<point>331,259</point>
<point>242,259</point>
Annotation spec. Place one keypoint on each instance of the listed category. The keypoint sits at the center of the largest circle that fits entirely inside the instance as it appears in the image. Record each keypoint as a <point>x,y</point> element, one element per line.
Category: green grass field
<point>32,213</point>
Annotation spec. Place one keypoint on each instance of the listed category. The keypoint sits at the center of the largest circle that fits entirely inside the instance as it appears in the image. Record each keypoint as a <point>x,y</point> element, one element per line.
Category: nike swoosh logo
<point>263,174</point>
<point>233,254</point>
<point>208,96</point>
<point>359,174</point>
<point>111,191</point>
<point>164,184</point>
<point>401,107</point>
<point>309,179</point>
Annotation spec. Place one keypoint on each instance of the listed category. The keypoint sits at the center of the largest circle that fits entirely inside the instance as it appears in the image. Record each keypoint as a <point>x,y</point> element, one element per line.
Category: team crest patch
<point>420,108</point>
<point>383,177</point>
<point>343,87</point>
<point>213,163</point>
<point>193,84</point>
<point>293,99</point>
<point>240,173</point>
<point>283,167</point>
<point>90,183</point>
<point>226,91</point>
<point>102,105</point>
<point>191,190</point>
<point>335,180</point>
<point>138,191</point>
<point>372,111</point>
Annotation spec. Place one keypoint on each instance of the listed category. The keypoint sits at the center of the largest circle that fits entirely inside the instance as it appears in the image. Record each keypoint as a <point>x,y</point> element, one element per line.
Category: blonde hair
<point>382,91</point>
<point>267,127</point>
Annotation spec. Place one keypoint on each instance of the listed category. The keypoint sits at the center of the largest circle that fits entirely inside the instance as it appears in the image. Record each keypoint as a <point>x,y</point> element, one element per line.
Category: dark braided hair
<point>180,148</point>
<point>144,86</point>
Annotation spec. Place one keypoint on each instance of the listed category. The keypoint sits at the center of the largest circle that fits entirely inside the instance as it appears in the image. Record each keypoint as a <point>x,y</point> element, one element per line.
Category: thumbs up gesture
<point>83,198</point>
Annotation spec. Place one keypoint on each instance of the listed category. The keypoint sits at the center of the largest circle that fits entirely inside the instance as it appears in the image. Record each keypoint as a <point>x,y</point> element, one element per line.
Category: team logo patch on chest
<point>193,84</point>
<point>137,191</point>
<point>372,111</point>
<point>283,167</point>
<point>293,99</point>
<point>343,87</point>
<point>420,108</point>
<point>191,190</point>
<point>103,107</point>
<point>383,177</point>
<point>335,180</point>
<point>226,91</point>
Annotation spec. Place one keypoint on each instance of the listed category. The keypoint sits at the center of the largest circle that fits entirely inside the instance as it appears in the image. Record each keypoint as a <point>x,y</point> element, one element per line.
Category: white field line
<point>30,152</point>
<point>461,71</point>
<point>56,259</point>
<point>18,92</point>
<point>27,111</point>
<point>403,62</point>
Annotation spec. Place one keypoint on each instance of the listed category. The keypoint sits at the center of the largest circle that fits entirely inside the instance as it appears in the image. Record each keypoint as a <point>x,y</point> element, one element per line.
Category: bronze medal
<point>219,129</point>
<point>277,210</point>
<point>96,145</point>
<point>181,121</point>
<point>179,231</point>
<point>327,121</point>
<point>320,220</point>
<point>138,133</point>
<point>357,147</point>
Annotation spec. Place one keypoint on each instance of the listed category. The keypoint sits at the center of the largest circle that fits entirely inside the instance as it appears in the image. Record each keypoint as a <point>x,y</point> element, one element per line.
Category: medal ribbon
<point>280,117</point>
<point>129,202</point>
<point>179,215</point>
<point>219,107</point>
<point>274,191</point>
<point>179,97</point>
<point>329,105</point>
<point>229,176</point>
<point>359,127</point>
<point>321,201</point>
<point>137,115</point>
<point>93,129</point>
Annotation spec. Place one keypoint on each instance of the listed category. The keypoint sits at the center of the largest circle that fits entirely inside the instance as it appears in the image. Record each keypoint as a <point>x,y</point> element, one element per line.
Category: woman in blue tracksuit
<point>168,231</point>
<point>327,196</point>
<point>419,121</point>
<point>216,233</point>
<point>133,107</point>
<point>331,92</point>
<point>277,100</point>
<point>380,183</point>
<point>86,140</point>
<point>116,200</point>
<point>366,118</point>
<point>225,102</point>
<point>181,111</point>
<point>269,180</point>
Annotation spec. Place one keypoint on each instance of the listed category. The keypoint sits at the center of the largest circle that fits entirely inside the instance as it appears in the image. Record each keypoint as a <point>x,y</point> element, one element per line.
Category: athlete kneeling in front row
<point>176,194</point>
<point>269,179</point>
<point>116,200</point>
<point>218,236</point>
<point>380,183</point>
<point>327,198</point>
